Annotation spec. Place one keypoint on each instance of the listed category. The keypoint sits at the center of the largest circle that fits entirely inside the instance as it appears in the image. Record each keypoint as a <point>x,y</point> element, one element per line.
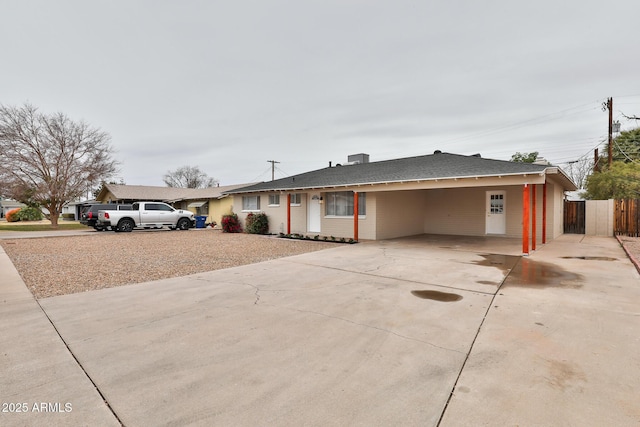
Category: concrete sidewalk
<point>41,383</point>
<point>419,331</point>
<point>51,233</point>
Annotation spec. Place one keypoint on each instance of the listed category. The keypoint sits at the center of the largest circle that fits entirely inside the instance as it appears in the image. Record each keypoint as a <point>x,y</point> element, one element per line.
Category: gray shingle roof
<point>429,167</point>
<point>169,194</point>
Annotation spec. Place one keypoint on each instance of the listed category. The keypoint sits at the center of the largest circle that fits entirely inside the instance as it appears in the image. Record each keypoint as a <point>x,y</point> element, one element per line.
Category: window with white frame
<point>274,200</point>
<point>296,199</point>
<point>250,203</point>
<point>340,203</point>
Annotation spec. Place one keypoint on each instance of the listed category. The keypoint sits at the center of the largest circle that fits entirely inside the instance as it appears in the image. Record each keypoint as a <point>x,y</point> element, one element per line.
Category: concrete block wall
<point>599,217</point>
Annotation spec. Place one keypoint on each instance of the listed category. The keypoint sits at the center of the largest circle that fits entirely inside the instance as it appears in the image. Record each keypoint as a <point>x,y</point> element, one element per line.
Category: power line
<point>528,122</point>
<point>259,176</point>
<point>281,171</point>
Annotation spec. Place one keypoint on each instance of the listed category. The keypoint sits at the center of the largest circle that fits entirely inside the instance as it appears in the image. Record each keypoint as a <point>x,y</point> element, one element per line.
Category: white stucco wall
<point>457,211</point>
<point>400,213</point>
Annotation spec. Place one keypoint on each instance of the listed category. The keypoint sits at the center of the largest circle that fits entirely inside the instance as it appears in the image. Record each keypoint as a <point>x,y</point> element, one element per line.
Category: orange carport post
<point>525,219</point>
<point>533,218</point>
<point>355,215</point>
<point>289,213</point>
<point>544,213</point>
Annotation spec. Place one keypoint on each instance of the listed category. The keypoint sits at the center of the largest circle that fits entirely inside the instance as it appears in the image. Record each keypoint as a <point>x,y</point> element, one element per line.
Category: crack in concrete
<point>364,273</point>
<point>317,313</point>
<point>95,385</point>
<point>466,359</point>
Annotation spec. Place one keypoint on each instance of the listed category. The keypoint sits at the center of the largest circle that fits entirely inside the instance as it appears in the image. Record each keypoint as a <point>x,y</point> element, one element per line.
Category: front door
<point>496,212</point>
<point>315,213</point>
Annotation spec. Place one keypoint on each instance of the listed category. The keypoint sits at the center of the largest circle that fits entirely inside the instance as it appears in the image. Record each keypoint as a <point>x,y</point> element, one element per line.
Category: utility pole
<point>273,168</point>
<point>610,149</point>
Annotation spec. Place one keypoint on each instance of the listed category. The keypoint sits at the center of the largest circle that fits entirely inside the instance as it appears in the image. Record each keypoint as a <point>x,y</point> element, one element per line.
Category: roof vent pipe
<point>437,152</point>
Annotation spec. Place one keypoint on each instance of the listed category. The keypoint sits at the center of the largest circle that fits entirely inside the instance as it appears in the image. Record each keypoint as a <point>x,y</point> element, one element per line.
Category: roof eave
<point>565,179</point>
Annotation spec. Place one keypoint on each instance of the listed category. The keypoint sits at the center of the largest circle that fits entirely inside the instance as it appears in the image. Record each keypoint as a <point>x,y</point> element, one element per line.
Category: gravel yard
<point>632,246</point>
<point>64,265</point>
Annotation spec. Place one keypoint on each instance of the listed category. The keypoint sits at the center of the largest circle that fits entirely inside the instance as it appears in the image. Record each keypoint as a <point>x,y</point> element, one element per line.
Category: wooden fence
<point>574,217</point>
<point>626,217</point>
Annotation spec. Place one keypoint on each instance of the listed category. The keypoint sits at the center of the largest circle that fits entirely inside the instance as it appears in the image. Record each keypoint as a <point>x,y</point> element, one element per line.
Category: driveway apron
<point>346,336</point>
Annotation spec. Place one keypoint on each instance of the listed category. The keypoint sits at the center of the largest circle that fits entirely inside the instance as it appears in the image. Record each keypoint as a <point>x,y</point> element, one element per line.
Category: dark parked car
<point>89,216</point>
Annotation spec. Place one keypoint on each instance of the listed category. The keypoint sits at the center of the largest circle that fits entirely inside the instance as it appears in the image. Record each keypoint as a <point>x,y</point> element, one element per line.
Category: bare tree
<point>188,177</point>
<point>50,158</point>
<point>579,170</point>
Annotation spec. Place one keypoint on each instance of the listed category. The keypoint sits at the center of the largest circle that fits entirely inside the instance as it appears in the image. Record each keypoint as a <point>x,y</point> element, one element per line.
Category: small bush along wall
<point>257,223</point>
<point>318,238</point>
<point>231,224</point>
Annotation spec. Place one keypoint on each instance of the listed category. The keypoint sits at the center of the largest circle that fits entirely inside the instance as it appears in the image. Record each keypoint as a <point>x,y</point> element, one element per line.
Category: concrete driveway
<point>419,331</point>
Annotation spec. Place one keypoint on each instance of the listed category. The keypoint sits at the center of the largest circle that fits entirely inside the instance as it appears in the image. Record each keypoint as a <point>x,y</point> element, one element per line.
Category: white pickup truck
<point>147,215</point>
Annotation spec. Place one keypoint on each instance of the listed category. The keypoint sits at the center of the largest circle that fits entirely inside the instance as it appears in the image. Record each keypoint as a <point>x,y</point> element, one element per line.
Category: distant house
<point>210,202</point>
<point>8,204</point>
<point>441,193</point>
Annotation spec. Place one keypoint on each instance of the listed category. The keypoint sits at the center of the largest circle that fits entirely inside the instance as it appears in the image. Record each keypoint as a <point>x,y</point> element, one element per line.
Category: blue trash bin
<point>200,221</point>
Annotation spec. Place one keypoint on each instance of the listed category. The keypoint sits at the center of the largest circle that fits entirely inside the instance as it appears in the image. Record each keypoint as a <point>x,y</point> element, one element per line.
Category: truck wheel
<point>183,224</point>
<point>126,224</point>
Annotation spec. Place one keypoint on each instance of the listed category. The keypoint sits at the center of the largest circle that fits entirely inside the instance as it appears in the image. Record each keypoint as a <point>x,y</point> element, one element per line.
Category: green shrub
<point>231,224</point>
<point>29,214</point>
<point>257,223</point>
<point>12,215</point>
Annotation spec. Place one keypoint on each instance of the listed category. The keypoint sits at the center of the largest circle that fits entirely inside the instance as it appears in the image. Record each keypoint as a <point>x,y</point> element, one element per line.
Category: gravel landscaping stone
<point>65,265</point>
<point>631,246</point>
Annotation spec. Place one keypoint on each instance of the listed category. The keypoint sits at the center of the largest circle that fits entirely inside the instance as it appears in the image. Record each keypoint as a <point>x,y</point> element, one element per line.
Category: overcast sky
<point>228,85</point>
